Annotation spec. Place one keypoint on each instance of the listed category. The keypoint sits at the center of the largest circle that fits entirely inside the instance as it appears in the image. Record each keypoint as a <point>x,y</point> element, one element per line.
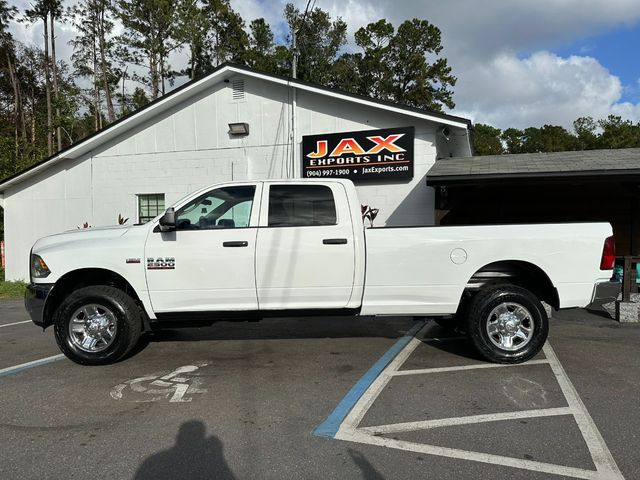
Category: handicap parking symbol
<point>177,386</point>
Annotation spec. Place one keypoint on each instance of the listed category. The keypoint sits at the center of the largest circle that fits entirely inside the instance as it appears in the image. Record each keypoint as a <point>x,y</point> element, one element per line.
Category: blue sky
<point>618,50</point>
<point>519,63</point>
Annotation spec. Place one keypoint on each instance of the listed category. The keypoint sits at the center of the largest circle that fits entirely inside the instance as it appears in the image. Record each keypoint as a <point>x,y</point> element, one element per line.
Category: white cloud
<point>542,88</point>
<point>498,50</point>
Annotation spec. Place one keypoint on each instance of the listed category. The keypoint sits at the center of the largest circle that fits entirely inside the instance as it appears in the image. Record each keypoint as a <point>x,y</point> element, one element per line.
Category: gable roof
<point>193,87</point>
<point>585,163</point>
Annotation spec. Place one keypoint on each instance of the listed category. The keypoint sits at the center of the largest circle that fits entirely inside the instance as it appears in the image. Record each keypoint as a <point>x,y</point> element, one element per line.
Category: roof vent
<point>238,90</point>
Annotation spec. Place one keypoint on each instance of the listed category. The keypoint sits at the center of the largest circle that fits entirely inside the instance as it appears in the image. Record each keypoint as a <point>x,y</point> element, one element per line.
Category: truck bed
<point>424,270</point>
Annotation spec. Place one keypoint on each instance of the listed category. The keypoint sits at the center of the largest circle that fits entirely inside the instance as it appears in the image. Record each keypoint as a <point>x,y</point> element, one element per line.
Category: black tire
<point>128,323</point>
<point>478,317</point>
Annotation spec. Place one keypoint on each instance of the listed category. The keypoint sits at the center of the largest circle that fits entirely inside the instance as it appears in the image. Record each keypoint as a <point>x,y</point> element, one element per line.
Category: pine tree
<point>55,13</point>
<point>40,12</point>
<point>94,53</point>
<point>149,38</point>
<point>319,40</point>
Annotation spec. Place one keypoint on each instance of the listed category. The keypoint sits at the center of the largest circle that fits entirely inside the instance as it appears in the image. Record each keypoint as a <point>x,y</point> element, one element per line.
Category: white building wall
<point>188,147</point>
<point>55,200</point>
<point>401,202</point>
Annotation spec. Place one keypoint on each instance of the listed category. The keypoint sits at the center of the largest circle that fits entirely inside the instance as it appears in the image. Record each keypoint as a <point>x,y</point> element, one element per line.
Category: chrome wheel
<point>510,326</point>
<point>92,328</point>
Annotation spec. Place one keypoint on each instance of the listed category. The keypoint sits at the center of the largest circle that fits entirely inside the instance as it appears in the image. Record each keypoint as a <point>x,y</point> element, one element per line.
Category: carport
<point>593,185</point>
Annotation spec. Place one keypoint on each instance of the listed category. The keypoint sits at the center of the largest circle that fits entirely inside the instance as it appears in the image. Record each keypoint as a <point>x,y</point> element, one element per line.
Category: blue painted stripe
<point>330,426</point>
<point>25,366</point>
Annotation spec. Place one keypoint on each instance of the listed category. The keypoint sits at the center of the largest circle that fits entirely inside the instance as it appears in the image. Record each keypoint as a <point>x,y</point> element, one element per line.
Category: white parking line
<point>24,366</point>
<point>602,458</point>
<point>468,420</point>
<point>15,323</point>
<point>464,367</point>
<point>366,400</point>
<point>359,437</point>
<point>606,468</point>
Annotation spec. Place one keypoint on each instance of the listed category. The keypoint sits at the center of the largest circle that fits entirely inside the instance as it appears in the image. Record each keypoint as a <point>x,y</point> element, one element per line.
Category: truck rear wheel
<point>507,324</point>
<point>97,325</point>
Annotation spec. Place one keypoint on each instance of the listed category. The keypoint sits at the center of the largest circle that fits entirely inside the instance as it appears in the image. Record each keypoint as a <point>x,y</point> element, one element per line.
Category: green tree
<point>7,13</point>
<point>532,141</point>
<point>318,38</point>
<point>94,54</point>
<point>32,143</point>
<point>618,133</point>
<point>513,140</point>
<point>55,14</point>
<point>261,53</point>
<point>373,69</point>
<point>191,30</point>
<point>402,66</point>
<point>40,11</point>
<point>226,40</point>
<point>9,71</point>
<point>486,140</point>
<point>139,99</point>
<point>345,73</point>
<point>49,12</point>
<point>149,38</point>
<point>418,82</point>
<point>585,130</point>
<point>557,139</point>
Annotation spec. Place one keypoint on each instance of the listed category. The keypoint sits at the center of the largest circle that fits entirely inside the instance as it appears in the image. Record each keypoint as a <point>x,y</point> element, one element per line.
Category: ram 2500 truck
<point>247,250</point>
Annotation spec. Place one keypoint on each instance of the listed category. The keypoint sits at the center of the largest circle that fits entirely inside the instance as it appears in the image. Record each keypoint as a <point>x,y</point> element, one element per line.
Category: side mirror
<point>168,221</point>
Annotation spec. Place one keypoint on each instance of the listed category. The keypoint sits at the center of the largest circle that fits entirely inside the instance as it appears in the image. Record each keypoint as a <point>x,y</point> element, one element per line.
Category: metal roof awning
<point>591,164</point>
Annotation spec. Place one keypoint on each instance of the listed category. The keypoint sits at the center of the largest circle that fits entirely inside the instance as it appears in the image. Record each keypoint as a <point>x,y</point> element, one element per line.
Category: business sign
<point>365,155</point>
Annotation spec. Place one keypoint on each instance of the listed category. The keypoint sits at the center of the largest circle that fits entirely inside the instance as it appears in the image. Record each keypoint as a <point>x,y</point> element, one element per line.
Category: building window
<point>150,206</point>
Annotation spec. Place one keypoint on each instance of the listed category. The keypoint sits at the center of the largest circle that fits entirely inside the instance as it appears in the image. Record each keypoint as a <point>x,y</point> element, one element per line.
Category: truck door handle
<point>235,244</point>
<point>334,241</point>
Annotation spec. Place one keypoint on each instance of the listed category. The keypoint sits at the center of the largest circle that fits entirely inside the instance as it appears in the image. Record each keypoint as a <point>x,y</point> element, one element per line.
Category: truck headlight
<point>39,269</point>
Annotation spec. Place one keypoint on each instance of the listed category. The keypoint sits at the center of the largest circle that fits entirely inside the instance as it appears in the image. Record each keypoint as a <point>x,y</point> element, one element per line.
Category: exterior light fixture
<point>445,132</point>
<point>239,129</point>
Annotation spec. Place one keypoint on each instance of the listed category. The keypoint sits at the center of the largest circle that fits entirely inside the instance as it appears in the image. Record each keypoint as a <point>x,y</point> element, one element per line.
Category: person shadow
<point>368,471</point>
<point>194,456</point>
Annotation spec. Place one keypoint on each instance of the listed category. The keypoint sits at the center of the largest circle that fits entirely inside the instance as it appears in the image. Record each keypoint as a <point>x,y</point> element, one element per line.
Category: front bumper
<point>34,300</point>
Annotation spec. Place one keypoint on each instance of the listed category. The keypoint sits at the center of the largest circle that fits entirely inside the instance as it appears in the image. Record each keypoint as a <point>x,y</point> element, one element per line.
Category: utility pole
<point>294,48</point>
<point>294,165</point>
<point>294,105</point>
<point>123,103</point>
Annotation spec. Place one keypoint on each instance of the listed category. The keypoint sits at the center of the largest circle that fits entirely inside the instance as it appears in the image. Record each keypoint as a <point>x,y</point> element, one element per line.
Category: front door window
<point>227,207</point>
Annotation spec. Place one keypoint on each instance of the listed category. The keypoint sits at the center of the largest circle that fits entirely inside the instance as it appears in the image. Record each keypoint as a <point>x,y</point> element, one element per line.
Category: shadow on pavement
<point>460,348</point>
<point>291,328</point>
<point>194,456</point>
<point>368,471</point>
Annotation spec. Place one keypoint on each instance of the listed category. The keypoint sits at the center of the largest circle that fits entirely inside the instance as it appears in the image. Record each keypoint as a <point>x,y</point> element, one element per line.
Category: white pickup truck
<point>299,247</point>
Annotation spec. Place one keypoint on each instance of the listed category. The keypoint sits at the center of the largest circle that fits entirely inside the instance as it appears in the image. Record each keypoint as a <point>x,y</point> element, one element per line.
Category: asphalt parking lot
<point>322,398</point>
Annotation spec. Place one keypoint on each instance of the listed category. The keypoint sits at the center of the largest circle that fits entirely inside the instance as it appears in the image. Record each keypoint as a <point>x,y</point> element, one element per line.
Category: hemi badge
<point>133,260</point>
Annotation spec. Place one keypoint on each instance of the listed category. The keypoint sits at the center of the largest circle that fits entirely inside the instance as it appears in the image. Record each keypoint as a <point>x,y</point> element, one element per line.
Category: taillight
<point>608,254</point>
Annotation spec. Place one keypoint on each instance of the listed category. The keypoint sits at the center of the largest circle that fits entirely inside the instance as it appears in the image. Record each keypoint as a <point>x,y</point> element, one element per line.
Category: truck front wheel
<point>507,324</point>
<point>97,325</point>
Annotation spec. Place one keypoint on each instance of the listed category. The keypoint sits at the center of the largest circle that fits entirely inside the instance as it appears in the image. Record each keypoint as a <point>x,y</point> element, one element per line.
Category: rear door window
<point>301,206</point>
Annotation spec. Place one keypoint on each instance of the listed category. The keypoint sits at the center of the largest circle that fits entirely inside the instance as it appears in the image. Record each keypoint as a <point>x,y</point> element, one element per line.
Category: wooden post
<point>628,276</point>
